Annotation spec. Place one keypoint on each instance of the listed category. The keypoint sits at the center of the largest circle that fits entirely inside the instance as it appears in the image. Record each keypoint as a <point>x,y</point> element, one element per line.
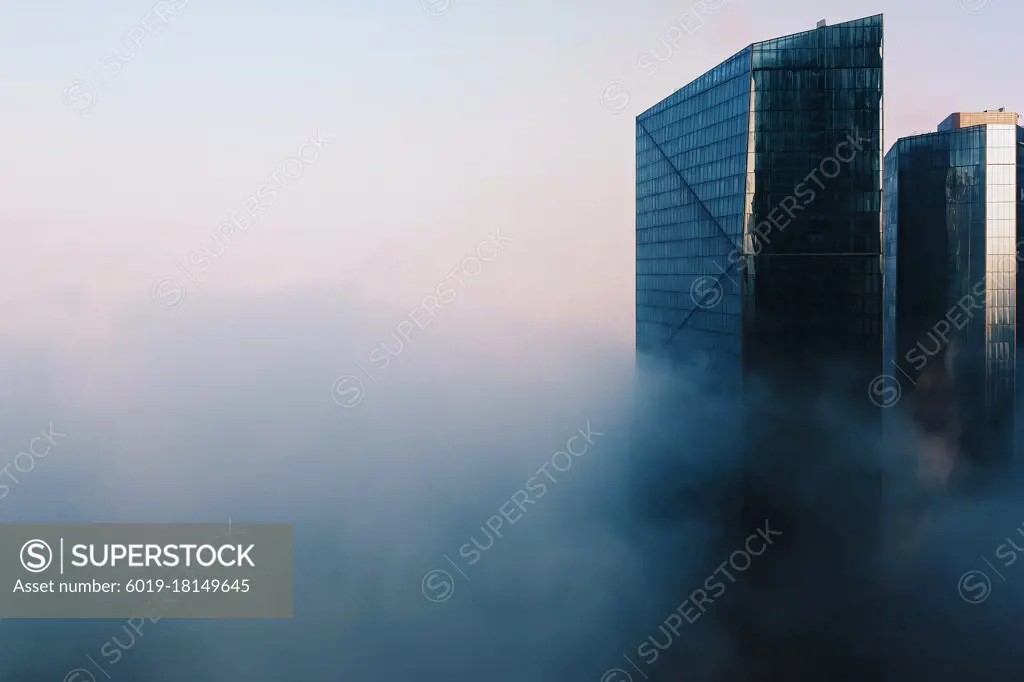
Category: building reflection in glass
<point>758,216</point>
<point>953,199</point>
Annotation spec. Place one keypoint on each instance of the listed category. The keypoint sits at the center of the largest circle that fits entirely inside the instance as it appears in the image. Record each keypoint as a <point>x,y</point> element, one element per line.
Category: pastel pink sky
<point>444,127</point>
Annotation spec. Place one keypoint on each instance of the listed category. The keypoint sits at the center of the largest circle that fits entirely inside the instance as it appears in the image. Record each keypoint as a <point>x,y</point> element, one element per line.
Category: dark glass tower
<point>954,199</point>
<point>758,225</point>
<point>759,254</point>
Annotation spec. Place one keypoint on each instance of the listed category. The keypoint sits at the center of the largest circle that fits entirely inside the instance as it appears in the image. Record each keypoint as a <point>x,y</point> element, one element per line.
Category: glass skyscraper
<point>954,202</point>
<point>759,254</point>
<point>758,209</point>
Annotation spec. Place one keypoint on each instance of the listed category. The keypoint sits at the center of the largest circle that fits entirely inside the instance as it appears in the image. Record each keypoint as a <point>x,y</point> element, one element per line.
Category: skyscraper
<point>758,210</point>
<point>954,200</point>
<point>759,253</point>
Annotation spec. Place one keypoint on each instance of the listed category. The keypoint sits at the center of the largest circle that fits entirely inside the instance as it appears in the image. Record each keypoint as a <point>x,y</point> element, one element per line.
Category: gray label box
<point>146,571</point>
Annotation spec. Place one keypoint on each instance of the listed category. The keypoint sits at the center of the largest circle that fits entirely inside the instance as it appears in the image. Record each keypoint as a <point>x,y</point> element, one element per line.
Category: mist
<point>229,408</point>
<point>225,409</point>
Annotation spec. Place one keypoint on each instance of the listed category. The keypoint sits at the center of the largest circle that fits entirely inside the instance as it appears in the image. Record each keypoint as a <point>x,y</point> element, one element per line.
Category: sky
<point>473,160</point>
<point>446,118</point>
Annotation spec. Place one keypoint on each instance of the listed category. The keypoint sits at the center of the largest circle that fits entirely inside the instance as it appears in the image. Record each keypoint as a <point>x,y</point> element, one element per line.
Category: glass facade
<point>691,152</point>
<point>890,250</point>
<point>758,225</point>
<point>1019,437</point>
<point>951,230</point>
<point>813,281</point>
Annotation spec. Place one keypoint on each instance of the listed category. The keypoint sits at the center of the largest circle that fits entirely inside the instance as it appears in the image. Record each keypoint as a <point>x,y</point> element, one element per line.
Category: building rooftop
<point>965,119</point>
